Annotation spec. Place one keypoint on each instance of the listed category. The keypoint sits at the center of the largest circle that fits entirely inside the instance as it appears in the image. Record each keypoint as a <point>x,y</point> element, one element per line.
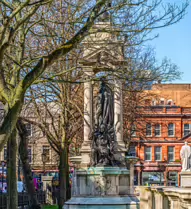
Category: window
<point>170,129</point>
<point>5,153</point>
<point>28,128</point>
<point>132,151</point>
<point>45,153</point>
<point>170,154</point>
<point>158,153</point>
<point>186,129</point>
<point>151,178</point>
<point>172,178</point>
<point>153,102</point>
<point>148,153</point>
<point>148,129</point>
<point>170,102</point>
<point>157,130</point>
<point>133,130</point>
<point>162,101</point>
<point>30,154</point>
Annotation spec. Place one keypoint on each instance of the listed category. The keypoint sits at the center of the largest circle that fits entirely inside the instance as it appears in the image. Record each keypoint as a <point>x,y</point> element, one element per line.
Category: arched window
<point>170,102</point>
<point>162,101</point>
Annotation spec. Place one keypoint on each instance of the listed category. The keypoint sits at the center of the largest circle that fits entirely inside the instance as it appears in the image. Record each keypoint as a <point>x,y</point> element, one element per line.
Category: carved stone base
<point>112,202</point>
<point>107,187</point>
<point>99,181</point>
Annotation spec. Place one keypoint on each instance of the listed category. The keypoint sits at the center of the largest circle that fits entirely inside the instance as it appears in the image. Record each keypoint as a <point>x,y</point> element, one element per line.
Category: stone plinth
<point>107,187</point>
<point>185,179</point>
<point>47,180</point>
<point>112,202</point>
<point>100,181</point>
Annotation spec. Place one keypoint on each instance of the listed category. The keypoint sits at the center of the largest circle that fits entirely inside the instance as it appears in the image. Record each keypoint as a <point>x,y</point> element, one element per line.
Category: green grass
<point>50,207</point>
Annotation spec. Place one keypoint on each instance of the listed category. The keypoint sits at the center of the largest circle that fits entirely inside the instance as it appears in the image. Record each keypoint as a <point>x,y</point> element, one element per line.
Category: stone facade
<point>165,198</point>
<point>38,145</point>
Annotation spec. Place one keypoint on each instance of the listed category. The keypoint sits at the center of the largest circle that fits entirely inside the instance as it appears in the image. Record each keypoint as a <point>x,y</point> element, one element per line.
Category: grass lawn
<point>50,207</point>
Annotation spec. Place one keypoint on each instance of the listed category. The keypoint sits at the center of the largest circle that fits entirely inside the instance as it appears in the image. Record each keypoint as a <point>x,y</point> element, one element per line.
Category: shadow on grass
<point>50,207</point>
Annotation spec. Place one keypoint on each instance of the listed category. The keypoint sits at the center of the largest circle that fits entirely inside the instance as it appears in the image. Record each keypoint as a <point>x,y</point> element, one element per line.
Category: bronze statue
<point>103,145</point>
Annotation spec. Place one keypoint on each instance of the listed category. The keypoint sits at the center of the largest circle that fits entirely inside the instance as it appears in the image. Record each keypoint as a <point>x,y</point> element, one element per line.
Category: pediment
<point>102,56</point>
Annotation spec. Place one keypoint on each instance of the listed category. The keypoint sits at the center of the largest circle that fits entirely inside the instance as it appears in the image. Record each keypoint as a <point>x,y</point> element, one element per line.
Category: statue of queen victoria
<point>103,146</point>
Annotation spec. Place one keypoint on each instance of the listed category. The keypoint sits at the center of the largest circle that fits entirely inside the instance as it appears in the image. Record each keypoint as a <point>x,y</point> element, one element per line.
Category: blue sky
<point>174,42</point>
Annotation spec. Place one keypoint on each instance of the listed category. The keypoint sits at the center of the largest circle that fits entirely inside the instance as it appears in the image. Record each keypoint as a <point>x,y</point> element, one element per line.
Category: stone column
<point>131,161</point>
<point>165,178</point>
<point>88,119</point>
<point>160,200</point>
<point>174,202</point>
<point>118,120</point>
<point>146,198</point>
<point>139,177</point>
<point>131,182</point>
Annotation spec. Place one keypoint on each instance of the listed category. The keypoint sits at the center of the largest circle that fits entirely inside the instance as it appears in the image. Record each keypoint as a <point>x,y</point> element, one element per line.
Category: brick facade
<point>169,121</point>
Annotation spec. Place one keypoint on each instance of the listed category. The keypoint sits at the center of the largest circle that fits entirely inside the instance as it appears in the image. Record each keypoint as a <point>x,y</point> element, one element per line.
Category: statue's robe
<point>185,154</point>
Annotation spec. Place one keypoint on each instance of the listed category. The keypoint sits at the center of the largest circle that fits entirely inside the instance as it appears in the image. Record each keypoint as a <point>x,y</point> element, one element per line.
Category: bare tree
<point>144,71</point>
<point>23,153</point>
<point>57,111</point>
<point>30,40</point>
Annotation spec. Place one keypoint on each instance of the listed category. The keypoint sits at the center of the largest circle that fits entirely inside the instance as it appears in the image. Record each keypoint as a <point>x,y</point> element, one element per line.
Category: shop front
<point>153,178</point>
<point>172,178</point>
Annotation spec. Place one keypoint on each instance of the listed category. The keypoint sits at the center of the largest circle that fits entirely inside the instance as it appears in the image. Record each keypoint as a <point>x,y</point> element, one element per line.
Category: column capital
<point>131,159</point>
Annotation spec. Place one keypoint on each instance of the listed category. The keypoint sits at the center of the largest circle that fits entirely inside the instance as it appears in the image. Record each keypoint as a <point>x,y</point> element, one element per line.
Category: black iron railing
<point>23,199</point>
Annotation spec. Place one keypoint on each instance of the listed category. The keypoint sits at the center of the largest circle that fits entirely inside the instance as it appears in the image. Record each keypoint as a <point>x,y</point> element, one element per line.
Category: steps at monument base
<point>107,202</point>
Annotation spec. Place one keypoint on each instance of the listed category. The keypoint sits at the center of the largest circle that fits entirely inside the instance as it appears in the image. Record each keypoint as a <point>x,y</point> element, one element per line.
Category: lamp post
<point>2,176</point>
<point>43,161</point>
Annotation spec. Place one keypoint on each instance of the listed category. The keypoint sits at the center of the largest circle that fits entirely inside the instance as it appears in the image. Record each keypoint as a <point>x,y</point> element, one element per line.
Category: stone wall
<point>165,198</point>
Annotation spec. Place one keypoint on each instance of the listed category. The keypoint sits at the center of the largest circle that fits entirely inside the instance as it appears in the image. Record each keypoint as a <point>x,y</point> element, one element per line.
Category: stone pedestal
<point>107,187</point>
<point>185,179</point>
<point>130,162</point>
<point>47,180</point>
<point>47,185</point>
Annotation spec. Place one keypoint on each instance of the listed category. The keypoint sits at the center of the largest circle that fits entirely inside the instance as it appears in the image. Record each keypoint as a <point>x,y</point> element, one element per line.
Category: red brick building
<point>160,133</point>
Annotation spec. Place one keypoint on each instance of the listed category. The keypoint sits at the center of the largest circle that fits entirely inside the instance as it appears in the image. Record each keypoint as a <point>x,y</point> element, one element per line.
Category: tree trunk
<point>10,121</point>
<point>23,146</point>
<point>64,185</point>
<point>12,195</point>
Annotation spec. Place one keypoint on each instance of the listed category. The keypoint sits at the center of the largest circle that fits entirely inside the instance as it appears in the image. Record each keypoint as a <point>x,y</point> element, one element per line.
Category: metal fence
<point>23,200</point>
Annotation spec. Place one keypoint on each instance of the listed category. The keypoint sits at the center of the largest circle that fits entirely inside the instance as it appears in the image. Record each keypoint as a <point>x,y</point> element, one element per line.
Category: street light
<point>44,160</point>
<point>2,165</point>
